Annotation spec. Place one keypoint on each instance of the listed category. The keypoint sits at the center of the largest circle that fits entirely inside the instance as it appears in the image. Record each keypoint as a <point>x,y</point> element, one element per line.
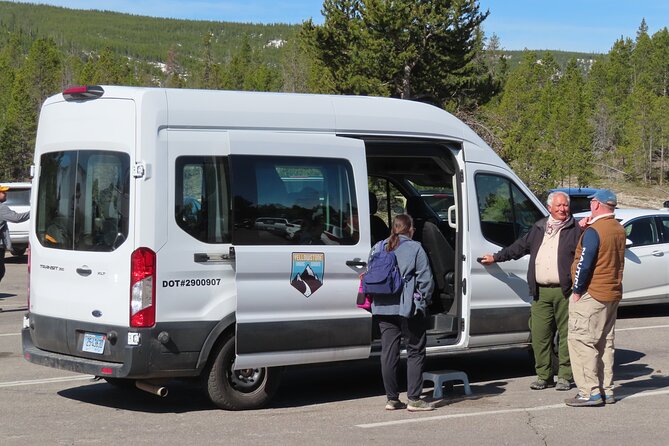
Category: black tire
<point>238,389</point>
<point>121,383</point>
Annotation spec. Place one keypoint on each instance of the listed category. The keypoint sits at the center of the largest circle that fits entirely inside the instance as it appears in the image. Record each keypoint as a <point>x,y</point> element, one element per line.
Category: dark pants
<point>2,262</point>
<point>549,313</point>
<point>392,328</point>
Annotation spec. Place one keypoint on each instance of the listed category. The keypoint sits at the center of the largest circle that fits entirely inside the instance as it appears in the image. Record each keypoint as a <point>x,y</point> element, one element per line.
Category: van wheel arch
<point>237,389</point>
<point>225,327</point>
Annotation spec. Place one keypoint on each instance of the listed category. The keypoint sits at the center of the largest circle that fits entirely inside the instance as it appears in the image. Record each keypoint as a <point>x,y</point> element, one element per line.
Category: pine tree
<point>403,48</point>
<point>524,112</point>
<point>569,124</point>
<point>10,62</point>
<point>40,77</point>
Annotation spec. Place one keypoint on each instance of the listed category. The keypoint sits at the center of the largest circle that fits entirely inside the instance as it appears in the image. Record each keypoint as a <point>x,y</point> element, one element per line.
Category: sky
<point>568,25</point>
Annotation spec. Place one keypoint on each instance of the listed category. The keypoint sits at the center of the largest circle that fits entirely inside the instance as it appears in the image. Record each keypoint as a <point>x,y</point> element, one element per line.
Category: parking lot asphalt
<point>339,404</point>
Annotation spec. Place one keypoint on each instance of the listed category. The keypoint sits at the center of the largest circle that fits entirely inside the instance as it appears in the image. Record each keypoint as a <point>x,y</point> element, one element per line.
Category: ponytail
<point>402,225</point>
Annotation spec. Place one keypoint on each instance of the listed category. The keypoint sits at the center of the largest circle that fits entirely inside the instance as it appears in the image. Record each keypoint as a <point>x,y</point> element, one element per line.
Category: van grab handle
<point>358,263</point>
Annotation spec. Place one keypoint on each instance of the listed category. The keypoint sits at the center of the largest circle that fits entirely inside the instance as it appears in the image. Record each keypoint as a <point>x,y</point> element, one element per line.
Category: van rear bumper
<point>47,343</point>
<point>71,363</point>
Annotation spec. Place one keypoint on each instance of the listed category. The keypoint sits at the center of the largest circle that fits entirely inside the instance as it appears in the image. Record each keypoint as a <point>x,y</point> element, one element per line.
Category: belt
<point>551,285</point>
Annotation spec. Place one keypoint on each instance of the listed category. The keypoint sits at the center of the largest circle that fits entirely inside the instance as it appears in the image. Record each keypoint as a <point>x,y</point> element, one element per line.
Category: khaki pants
<point>591,349</point>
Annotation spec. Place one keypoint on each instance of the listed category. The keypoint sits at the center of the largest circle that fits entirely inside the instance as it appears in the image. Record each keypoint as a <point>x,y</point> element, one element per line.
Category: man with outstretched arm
<point>551,244</point>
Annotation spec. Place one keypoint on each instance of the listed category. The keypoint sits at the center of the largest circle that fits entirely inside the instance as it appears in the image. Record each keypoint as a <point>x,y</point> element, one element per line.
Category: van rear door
<point>82,238</point>
<point>296,290</point>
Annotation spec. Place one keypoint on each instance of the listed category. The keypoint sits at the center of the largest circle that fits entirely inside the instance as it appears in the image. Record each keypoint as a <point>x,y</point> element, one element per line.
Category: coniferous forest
<point>559,119</point>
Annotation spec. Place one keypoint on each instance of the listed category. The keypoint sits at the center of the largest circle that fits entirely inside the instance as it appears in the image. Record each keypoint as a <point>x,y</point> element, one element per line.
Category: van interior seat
<point>439,251</point>
<point>379,228</point>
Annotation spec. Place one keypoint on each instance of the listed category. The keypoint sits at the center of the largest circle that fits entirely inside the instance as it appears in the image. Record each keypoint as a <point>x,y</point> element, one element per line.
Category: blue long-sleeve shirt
<point>586,264</point>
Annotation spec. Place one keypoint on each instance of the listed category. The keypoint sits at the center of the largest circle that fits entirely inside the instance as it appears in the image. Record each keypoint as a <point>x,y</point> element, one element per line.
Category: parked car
<point>279,225</point>
<point>18,199</point>
<point>578,197</point>
<point>646,276</point>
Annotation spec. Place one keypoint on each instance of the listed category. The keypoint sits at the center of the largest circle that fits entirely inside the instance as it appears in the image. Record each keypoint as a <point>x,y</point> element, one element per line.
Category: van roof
<point>298,112</point>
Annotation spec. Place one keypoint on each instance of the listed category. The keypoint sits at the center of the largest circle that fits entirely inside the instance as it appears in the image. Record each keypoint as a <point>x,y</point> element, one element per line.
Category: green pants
<point>550,312</point>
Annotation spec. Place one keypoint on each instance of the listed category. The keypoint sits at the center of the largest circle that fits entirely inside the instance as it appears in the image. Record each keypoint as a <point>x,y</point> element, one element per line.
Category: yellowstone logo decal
<point>306,273</point>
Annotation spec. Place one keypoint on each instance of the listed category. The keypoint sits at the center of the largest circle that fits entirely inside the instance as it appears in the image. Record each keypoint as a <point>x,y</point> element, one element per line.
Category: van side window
<point>505,212</point>
<point>83,200</point>
<point>293,200</point>
<point>202,200</point>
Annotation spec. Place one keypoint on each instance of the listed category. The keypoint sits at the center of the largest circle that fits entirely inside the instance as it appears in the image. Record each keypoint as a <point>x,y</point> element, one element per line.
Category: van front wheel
<point>238,389</point>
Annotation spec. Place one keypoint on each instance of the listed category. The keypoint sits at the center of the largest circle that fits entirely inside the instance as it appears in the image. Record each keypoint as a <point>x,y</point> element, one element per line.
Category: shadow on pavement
<point>183,397</point>
<point>21,260</point>
<point>319,384</point>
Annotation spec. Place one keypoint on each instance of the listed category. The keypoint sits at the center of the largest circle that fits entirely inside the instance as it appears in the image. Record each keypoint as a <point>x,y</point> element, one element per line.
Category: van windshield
<point>83,200</point>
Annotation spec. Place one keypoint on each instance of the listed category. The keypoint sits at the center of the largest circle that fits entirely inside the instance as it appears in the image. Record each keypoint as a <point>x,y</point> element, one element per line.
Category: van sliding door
<point>299,247</point>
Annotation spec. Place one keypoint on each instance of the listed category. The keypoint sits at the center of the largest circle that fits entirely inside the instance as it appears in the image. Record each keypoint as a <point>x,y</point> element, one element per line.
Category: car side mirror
<point>665,204</point>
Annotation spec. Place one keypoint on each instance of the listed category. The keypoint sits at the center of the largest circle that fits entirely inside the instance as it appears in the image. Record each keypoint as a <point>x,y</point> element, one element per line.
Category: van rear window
<point>83,200</point>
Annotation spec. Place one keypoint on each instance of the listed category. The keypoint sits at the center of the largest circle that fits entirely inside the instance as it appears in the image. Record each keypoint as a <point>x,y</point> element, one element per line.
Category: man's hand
<point>584,222</point>
<point>487,259</point>
<point>575,297</point>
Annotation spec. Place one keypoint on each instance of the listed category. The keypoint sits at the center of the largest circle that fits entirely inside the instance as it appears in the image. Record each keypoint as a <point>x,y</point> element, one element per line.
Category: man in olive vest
<point>598,273</point>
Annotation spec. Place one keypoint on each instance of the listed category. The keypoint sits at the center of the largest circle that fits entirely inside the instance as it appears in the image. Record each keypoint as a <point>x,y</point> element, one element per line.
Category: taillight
<point>142,289</point>
<point>83,93</point>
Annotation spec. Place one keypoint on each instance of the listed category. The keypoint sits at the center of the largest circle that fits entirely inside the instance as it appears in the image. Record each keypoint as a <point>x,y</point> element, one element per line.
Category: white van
<point>147,263</point>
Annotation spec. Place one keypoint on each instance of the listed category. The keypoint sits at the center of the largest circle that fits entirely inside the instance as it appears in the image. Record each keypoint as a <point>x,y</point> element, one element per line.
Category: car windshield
<point>18,197</point>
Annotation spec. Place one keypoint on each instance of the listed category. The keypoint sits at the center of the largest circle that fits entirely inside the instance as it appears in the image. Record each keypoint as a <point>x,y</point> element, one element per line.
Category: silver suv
<point>18,200</point>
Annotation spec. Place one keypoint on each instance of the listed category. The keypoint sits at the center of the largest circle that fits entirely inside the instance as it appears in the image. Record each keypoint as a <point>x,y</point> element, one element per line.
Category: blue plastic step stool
<point>440,377</point>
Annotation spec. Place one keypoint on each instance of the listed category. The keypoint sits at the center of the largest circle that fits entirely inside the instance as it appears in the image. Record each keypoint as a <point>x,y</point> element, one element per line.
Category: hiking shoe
<point>395,405</point>
<point>562,384</point>
<point>585,401</point>
<point>419,406</point>
<point>609,399</point>
<point>541,384</point>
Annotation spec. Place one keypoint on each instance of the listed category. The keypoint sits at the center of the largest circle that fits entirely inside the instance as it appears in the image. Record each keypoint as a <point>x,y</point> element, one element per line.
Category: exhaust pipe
<point>161,391</point>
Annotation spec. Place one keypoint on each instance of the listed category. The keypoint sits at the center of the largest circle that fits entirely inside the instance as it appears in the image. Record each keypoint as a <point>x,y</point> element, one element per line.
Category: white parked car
<point>18,200</point>
<point>646,276</point>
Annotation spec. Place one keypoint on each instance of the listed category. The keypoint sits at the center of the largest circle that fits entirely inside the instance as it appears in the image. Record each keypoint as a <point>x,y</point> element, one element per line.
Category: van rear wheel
<point>238,389</point>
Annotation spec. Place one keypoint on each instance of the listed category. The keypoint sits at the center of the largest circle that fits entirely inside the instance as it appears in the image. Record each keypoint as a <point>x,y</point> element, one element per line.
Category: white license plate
<point>94,343</point>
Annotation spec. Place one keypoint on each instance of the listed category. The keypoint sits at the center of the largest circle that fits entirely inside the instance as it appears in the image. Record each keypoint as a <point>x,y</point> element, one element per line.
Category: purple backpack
<point>383,275</point>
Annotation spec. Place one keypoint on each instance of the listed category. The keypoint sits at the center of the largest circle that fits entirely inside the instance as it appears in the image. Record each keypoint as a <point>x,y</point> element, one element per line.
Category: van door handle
<point>658,253</point>
<point>85,272</point>
<point>208,257</point>
<point>357,263</point>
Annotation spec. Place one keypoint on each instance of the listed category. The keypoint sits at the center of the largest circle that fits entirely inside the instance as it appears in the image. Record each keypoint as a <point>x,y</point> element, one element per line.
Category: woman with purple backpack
<point>404,314</point>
